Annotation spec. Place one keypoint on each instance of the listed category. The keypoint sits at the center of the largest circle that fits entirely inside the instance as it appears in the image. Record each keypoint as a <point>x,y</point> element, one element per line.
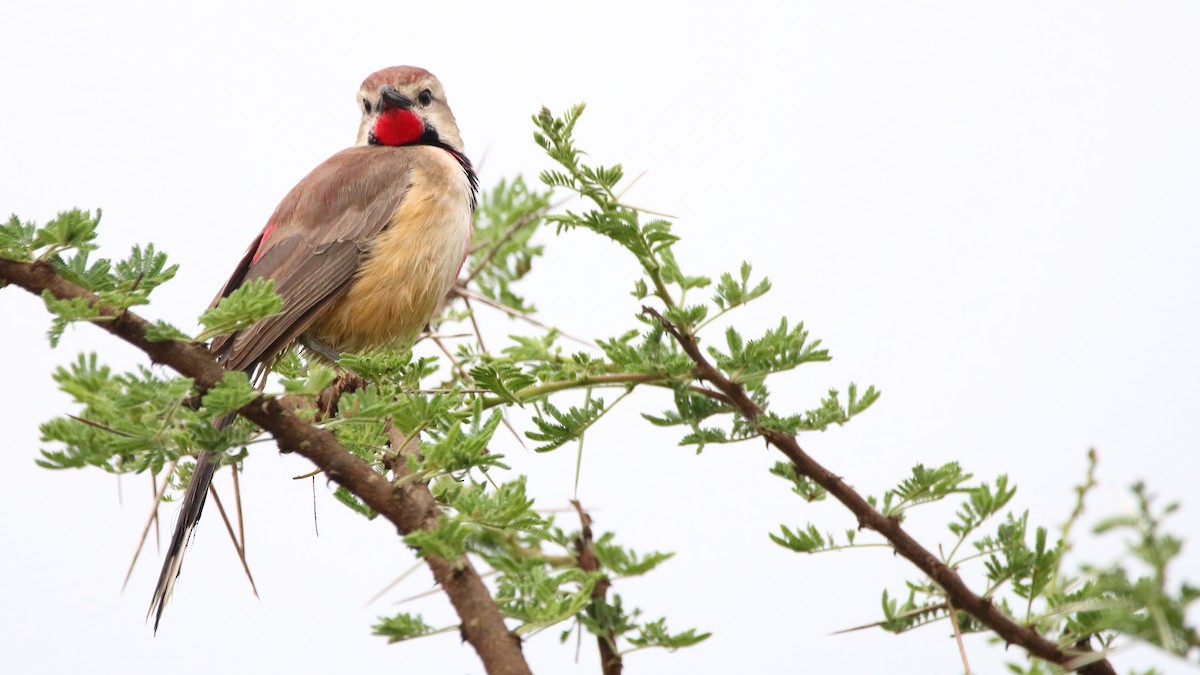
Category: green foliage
<point>733,293</point>
<point>655,634</point>
<point>229,395</point>
<point>501,250</point>
<point>69,230</point>
<point>802,485</point>
<point>120,286</point>
<point>538,596</point>
<point>806,540</point>
<point>504,508</point>
<point>619,562</point>
<point>567,426</point>
<point>505,380</point>
<point>354,503</point>
<point>1021,567</point>
<point>448,540</point>
<point>776,351</point>
<point>161,331</point>
<point>126,420</point>
<point>17,238</point>
<point>66,312</point>
<point>309,381</point>
<point>924,486</point>
<point>250,302</point>
<point>402,627</point>
<point>1136,595</point>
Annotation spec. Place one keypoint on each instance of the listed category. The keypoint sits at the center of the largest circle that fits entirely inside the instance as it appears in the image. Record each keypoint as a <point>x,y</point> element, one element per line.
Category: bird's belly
<point>408,270</point>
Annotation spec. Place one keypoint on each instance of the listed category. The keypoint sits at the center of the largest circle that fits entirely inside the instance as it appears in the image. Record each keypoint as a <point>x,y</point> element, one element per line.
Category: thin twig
<point>149,521</point>
<point>474,323</point>
<point>956,589</point>
<point>237,501</point>
<point>630,184</point>
<point>483,348</point>
<point>916,611</point>
<point>212,490</point>
<point>393,583</point>
<point>437,340</point>
<point>962,650</point>
<point>104,427</point>
<point>446,336</point>
<point>154,513</point>
<point>467,294</point>
<point>525,219</point>
<point>433,591</point>
<point>316,527</point>
<point>649,211</point>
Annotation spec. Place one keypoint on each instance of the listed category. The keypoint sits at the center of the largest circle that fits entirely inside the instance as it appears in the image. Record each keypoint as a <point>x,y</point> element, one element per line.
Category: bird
<point>362,251</point>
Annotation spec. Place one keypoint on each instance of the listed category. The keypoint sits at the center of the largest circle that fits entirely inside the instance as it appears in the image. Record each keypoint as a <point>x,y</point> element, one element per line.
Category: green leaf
<point>17,239</point>
<point>66,312</point>
<point>252,301</point>
<point>229,395</point>
<point>655,634</point>
<point>161,331</point>
<point>506,508</point>
<point>402,627</point>
<point>801,485</point>
<point>459,449</point>
<point>74,229</point>
<point>925,485</point>
<point>318,377</point>
<point>806,540</point>
<point>504,380</point>
<point>778,350</point>
<point>357,505</point>
<point>447,541</point>
<point>567,426</point>
<point>623,562</point>
<point>736,292</point>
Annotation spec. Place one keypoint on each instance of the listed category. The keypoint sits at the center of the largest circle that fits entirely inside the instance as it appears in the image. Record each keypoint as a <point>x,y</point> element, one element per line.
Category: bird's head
<point>405,105</point>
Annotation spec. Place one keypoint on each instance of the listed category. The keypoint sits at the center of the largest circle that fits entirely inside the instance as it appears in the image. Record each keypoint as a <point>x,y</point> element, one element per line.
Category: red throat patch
<point>398,127</point>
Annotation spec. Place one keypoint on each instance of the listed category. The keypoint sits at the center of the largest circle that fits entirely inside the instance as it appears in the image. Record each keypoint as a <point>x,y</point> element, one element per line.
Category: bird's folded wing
<point>314,245</point>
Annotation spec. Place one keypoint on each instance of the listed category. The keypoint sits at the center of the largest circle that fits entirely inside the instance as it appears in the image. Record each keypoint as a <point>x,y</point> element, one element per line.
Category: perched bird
<point>362,251</point>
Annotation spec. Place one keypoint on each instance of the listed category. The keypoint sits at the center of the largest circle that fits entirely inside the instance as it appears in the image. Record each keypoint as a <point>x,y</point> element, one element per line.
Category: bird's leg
<point>321,349</point>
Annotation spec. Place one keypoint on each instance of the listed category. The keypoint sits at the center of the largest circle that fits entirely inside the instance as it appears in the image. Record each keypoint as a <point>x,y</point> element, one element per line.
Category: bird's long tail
<point>189,514</point>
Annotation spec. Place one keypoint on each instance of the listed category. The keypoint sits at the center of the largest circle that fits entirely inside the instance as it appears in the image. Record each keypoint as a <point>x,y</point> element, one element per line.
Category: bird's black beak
<point>390,99</point>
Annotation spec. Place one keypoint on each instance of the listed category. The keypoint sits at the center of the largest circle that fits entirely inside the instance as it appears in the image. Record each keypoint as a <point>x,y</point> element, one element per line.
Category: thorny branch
<point>585,554</point>
<point>959,595</point>
<point>409,506</point>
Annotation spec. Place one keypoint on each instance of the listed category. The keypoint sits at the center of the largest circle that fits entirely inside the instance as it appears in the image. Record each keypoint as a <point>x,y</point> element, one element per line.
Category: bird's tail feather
<point>189,514</point>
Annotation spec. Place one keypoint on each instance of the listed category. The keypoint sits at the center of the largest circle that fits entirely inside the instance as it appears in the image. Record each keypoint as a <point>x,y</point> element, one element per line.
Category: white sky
<point>988,210</point>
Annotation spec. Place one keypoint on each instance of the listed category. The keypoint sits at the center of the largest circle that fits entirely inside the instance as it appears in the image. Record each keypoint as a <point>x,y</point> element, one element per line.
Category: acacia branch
<point>409,507</point>
<point>957,592</point>
<point>585,555</point>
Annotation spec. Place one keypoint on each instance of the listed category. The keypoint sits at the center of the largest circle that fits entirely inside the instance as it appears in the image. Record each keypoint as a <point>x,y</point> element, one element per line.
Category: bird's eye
<point>367,106</point>
<point>425,98</point>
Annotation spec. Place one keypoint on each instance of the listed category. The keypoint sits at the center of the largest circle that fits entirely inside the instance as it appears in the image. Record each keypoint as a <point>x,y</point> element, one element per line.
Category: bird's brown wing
<point>314,244</point>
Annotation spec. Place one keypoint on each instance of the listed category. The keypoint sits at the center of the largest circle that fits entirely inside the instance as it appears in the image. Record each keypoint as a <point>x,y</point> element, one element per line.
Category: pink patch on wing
<point>398,127</point>
<point>262,242</point>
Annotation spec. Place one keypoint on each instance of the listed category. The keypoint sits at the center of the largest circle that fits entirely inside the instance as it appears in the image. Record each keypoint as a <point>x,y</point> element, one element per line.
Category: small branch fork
<point>585,555</point>
<point>957,592</point>
<point>409,507</point>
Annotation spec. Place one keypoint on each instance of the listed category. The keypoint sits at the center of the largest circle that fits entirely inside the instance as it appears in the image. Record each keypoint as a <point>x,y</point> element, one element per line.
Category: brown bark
<point>585,557</point>
<point>956,589</point>
<point>409,508</point>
